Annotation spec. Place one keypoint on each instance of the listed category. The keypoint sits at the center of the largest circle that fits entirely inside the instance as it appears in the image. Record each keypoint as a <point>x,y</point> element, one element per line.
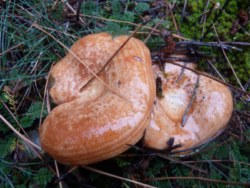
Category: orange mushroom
<point>99,116</point>
<point>193,110</point>
<point>92,123</point>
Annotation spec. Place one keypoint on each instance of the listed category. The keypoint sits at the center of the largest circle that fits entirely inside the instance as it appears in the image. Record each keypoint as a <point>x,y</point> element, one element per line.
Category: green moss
<point>247,60</point>
<point>191,28</point>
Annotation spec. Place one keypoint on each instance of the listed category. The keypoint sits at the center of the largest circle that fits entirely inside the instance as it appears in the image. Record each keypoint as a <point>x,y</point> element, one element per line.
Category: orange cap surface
<point>93,123</point>
<point>193,109</point>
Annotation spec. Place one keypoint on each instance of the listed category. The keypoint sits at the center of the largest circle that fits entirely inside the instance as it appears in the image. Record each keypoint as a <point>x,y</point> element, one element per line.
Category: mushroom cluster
<point>106,103</point>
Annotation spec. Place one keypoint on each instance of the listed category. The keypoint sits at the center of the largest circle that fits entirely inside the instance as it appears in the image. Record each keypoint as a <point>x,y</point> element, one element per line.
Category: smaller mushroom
<point>192,110</point>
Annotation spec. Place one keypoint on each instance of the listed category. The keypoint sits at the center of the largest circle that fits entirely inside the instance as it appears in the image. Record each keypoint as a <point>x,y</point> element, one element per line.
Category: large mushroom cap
<point>193,110</point>
<point>93,123</point>
<point>69,75</point>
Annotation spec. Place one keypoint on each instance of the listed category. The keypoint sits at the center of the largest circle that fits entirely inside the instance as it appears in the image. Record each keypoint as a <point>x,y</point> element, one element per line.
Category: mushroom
<point>192,110</point>
<point>93,122</point>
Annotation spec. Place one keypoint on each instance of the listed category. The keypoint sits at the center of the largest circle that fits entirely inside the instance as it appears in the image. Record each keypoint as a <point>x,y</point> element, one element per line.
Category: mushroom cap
<point>190,113</point>
<point>93,123</point>
<point>69,76</point>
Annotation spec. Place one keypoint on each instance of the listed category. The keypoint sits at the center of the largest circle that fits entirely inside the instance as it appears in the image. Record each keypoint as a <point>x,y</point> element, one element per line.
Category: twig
<point>219,74</point>
<point>86,66</point>
<point>214,78</point>
<point>205,17</point>
<point>184,59</point>
<point>243,113</point>
<point>70,8</point>
<point>11,48</point>
<point>40,120</point>
<point>216,18</point>
<point>58,173</point>
<point>64,175</point>
<point>210,44</point>
<point>216,161</point>
<point>61,32</point>
<point>247,84</point>
<point>6,107</point>
<point>182,72</point>
<point>23,98</point>
<point>19,134</point>
<point>183,11</point>
<point>197,178</point>
<point>24,9</point>
<point>130,23</point>
<point>6,178</point>
<point>78,10</point>
<point>44,95</point>
<point>33,149</point>
<point>143,20</point>
<point>151,32</point>
<point>117,177</point>
<point>174,21</point>
<point>116,52</point>
<point>55,4</point>
<point>240,126</point>
<point>156,153</point>
<point>185,116</point>
<point>36,88</point>
<point>229,63</point>
<point>205,14</point>
<point>236,43</point>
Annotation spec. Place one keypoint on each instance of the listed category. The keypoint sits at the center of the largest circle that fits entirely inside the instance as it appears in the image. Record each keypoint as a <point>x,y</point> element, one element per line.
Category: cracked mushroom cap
<point>193,110</point>
<point>94,122</point>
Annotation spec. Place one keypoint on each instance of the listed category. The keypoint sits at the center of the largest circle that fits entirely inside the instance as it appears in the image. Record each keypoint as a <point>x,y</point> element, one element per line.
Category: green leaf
<point>7,146</point>
<point>116,7</point>
<point>5,181</point>
<point>26,121</point>
<point>89,8</point>
<point>121,162</point>
<point>115,29</point>
<point>32,114</point>
<point>128,16</point>
<point>43,177</point>
<point>4,97</point>
<point>141,7</point>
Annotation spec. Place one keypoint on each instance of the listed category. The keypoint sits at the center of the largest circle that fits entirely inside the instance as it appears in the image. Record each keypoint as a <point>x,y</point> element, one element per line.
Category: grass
<point>27,54</point>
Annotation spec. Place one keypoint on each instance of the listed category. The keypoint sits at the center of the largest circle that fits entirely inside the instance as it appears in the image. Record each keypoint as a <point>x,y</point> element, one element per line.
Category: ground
<point>28,51</point>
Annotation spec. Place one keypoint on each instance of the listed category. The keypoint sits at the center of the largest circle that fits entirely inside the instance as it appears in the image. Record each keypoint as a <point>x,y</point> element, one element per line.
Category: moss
<point>247,60</point>
<point>192,28</point>
<point>232,8</point>
<point>196,5</point>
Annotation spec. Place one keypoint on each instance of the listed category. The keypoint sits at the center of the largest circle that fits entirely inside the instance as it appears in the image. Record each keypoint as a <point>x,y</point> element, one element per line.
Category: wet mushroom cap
<point>84,129</point>
<point>193,110</point>
<point>69,76</point>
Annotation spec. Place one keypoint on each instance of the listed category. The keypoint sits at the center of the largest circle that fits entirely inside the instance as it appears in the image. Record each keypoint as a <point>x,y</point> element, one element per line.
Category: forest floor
<point>215,33</point>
